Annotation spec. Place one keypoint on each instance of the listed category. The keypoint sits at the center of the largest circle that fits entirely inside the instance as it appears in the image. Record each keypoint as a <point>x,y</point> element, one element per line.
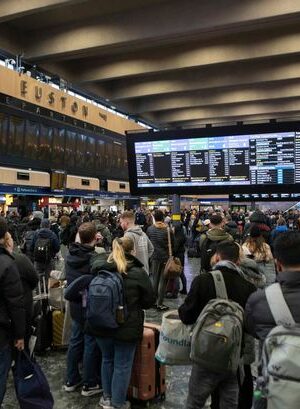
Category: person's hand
<point>19,344</point>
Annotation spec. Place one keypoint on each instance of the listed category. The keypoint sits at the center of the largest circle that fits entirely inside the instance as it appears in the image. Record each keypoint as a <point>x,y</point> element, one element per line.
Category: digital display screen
<point>58,181</point>
<point>241,159</point>
<point>227,163</point>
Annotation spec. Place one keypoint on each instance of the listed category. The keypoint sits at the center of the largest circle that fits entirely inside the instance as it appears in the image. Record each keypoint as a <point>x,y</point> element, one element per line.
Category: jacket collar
<point>4,251</point>
<point>289,278</point>
<point>160,225</point>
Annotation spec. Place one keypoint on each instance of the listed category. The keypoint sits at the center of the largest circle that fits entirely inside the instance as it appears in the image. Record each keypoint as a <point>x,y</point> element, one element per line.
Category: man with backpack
<point>143,248</point>
<point>216,345</point>
<point>209,241</point>
<point>45,245</point>
<point>272,315</point>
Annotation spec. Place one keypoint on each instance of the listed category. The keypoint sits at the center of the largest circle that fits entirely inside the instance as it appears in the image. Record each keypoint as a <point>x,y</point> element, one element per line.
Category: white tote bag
<point>174,341</point>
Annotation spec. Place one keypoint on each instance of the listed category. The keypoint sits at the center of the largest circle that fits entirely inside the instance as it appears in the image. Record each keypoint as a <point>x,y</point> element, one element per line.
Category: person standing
<point>12,312</point>
<point>158,235</point>
<point>143,248</point>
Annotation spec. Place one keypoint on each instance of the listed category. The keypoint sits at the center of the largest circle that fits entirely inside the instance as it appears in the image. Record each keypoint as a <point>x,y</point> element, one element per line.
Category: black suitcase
<point>42,321</point>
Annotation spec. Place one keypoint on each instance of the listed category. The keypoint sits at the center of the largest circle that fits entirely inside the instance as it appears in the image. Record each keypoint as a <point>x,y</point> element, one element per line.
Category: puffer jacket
<point>78,264</point>
<point>12,312</point>
<point>158,236</point>
<point>139,295</point>
<point>258,318</point>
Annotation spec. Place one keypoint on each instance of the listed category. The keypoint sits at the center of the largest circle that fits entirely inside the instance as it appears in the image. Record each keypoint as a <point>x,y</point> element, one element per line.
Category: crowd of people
<point>251,250</point>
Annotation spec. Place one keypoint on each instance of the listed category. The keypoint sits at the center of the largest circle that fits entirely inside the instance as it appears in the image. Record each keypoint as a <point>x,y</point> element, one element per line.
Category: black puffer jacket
<point>158,235</point>
<point>259,320</point>
<point>12,312</point>
<point>139,296</point>
<point>78,264</point>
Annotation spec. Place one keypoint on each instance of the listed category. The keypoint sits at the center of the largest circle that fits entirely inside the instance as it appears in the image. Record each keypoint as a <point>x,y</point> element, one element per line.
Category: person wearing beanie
<point>12,312</point>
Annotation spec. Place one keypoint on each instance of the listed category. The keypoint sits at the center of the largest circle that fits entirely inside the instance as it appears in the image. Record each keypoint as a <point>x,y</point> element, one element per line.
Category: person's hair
<point>64,220</point>
<point>87,232</point>
<point>228,250</point>
<point>127,215</point>
<point>159,216</point>
<point>216,219</point>
<point>121,247</point>
<point>3,227</point>
<point>287,248</point>
<point>281,221</point>
<point>256,243</point>
<point>45,223</point>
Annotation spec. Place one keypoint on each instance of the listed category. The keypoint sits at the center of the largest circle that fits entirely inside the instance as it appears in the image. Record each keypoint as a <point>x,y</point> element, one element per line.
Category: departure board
<point>238,160</point>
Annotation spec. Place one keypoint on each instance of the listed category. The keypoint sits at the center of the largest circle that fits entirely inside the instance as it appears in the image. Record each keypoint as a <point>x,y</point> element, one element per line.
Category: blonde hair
<point>121,247</point>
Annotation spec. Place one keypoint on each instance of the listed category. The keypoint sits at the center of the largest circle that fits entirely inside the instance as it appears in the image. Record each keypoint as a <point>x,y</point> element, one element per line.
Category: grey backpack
<point>280,362</point>
<point>218,332</point>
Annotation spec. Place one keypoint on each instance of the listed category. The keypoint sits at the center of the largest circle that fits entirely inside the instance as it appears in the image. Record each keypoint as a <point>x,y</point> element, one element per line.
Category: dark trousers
<point>158,280</point>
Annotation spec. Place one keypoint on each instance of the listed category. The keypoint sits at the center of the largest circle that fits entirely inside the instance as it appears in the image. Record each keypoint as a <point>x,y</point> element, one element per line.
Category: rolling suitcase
<point>58,318</point>
<point>148,375</point>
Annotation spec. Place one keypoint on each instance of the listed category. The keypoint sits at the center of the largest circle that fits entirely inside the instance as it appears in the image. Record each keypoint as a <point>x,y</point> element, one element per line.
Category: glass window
<point>109,156</point>
<point>3,132</point>
<point>100,156</point>
<point>16,136</point>
<point>80,151</point>
<point>32,132</point>
<point>45,144</point>
<point>58,147</point>
<point>90,153</point>
<point>70,151</point>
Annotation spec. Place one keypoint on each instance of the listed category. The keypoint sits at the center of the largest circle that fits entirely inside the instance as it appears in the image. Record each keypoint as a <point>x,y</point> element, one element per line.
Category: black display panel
<point>260,158</point>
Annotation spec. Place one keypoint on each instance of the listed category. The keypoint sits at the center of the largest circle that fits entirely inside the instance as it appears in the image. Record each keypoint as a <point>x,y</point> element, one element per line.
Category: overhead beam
<point>234,74</point>
<point>12,9</point>
<point>219,96</point>
<point>230,110</point>
<point>245,47</point>
<point>157,25</point>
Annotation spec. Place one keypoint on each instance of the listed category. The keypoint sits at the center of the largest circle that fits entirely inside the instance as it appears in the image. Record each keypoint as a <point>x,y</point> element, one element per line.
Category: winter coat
<point>46,234</point>
<point>77,264</point>
<point>232,228</point>
<point>139,295</point>
<point>143,247</point>
<point>203,290</point>
<point>158,236</point>
<point>179,242</point>
<point>216,236</point>
<point>12,312</point>
<point>276,232</point>
<point>258,318</point>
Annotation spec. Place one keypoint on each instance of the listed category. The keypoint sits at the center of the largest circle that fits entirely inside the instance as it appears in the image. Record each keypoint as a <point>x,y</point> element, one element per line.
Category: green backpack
<point>218,332</point>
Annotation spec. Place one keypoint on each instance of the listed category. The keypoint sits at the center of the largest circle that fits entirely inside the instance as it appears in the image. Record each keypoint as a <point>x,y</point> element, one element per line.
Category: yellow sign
<point>8,200</point>
<point>176,217</point>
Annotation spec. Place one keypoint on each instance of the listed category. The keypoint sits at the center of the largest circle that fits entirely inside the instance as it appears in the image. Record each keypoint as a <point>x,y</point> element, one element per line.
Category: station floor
<point>54,366</point>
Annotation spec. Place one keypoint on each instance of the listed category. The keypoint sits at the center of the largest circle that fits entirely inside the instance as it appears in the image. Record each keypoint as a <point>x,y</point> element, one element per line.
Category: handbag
<point>32,388</point>
<point>174,341</point>
<point>173,267</point>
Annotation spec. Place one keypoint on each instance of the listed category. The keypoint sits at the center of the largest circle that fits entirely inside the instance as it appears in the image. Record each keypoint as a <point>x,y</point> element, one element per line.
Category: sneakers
<point>105,403</point>
<point>90,390</point>
<point>71,387</point>
<point>162,308</point>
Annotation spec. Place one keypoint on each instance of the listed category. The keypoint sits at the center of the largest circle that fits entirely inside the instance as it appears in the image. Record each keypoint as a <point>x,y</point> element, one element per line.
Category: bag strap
<point>169,242</point>
<point>219,284</point>
<point>278,306</point>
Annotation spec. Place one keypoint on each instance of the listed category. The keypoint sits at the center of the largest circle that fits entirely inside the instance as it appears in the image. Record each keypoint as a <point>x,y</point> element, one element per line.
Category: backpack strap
<point>278,306</point>
<point>219,284</point>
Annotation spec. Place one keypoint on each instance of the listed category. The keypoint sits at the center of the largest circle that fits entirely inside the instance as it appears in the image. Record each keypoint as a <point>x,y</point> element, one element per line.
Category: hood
<point>252,273</point>
<point>231,224</point>
<point>258,217</point>
<point>160,225</point>
<point>79,254</point>
<point>281,228</point>
<point>217,234</point>
<point>136,230</point>
<point>45,233</point>
<point>100,262</point>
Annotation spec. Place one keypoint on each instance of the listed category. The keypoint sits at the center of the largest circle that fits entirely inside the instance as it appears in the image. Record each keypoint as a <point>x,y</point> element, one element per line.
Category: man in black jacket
<point>12,313</point>
<point>158,235</point>
<point>82,347</point>
<point>204,382</point>
<point>259,320</point>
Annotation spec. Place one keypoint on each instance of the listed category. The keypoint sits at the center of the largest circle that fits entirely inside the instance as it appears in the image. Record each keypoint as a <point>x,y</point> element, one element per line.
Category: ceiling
<point>173,63</point>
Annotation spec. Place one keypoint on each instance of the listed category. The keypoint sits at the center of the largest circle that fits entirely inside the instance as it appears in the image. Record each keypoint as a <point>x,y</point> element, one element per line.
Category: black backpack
<point>42,250</point>
<point>207,250</point>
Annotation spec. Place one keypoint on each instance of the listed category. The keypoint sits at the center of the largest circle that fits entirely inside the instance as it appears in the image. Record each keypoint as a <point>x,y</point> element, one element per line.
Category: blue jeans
<point>117,360</point>
<point>83,348</point>
<point>204,382</point>
<point>5,364</point>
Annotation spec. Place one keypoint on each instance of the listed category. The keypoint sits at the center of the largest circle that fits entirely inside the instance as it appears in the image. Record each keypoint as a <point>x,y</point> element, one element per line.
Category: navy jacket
<point>46,234</point>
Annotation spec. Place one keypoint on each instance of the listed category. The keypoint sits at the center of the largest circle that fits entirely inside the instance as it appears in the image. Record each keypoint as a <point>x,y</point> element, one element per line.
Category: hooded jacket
<point>78,264</point>
<point>139,295</point>
<point>158,236</point>
<point>12,312</point>
<point>142,245</point>
<point>46,234</point>
<point>214,236</point>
